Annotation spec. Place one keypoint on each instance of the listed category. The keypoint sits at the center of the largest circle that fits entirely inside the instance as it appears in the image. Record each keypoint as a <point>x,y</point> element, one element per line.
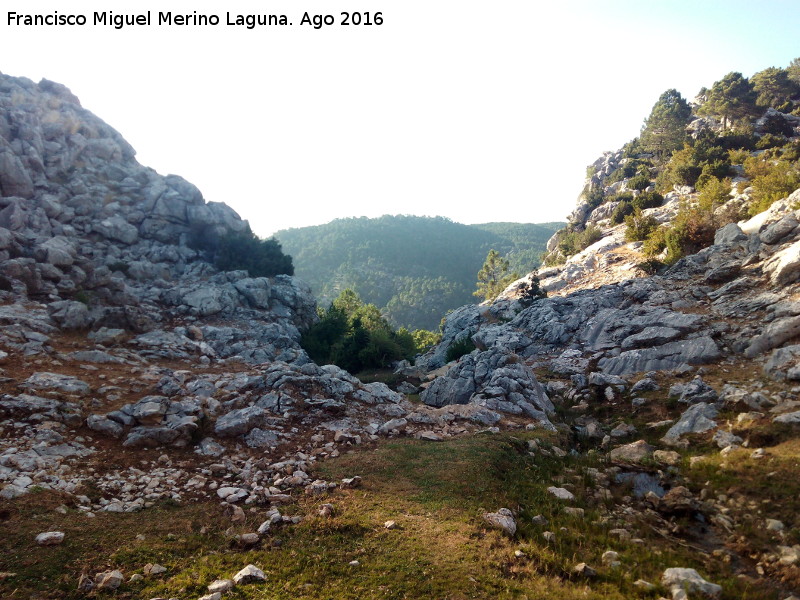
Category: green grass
<point>435,491</point>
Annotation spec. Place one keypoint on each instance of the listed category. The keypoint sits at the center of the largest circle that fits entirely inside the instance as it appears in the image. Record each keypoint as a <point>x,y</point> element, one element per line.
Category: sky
<point>475,111</point>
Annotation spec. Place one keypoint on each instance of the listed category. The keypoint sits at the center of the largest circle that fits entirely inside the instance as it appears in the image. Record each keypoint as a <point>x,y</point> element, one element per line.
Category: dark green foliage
<point>647,200</point>
<point>778,125</point>
<point>120,267</point>
<point>793,71</point>
<point>769,140</point>
<point>493,277</point>
<point>571,241</point>
<point>530,291</point>
<point>638,182</point>
<point>594,196</point>
<point>639,227</point>
<point>459,348</point>
<point>354,336</point>
<point>414,269</point>
<point>774,88</point>
<point>622,172</point>
<point>732,97</point>
<point>622,210</point>
<point>664,131</point>
<point>241,251</point>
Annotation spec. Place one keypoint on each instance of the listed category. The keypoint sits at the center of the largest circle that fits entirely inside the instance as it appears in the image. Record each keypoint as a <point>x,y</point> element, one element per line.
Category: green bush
<point>241,251</point>
<point>639,227</point>
<point>715,192</point>
<point>355,336</point>
<point>647,200</point>
<point>638,182</point>
<point>623,209</point>
<point>775,180</point>
<point>769,140</point>
<point>459,348</point>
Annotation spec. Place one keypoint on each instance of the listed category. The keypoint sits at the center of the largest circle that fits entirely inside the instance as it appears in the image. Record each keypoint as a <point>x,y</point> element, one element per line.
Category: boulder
<point>503,520</point>
<point>784,267</point>
<point>240,421</point>
<point>635,452</point>
<point>690,582</point>
<point>250,574</point>
<point>696,419</point>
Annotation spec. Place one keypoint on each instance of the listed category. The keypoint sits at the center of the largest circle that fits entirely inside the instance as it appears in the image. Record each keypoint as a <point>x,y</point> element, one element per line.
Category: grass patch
<point>435,491</point>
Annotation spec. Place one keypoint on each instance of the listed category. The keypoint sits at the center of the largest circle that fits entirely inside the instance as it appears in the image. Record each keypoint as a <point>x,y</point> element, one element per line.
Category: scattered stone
<point>250,574</point>
<point>775,525</point>
<point>391,525</point>
<point>689,581</point>
<point>611,558</point>
<point>154,569</point>
<point>561,493</point>
<point>351,483</point>
<point>503,519</point>
<point>635,452</point>
<point>326,510</point>
<point>584,570</point>
<point>50,538</point>
<point>109,580</point>
<point>667,457</point>
<point>220,586</point>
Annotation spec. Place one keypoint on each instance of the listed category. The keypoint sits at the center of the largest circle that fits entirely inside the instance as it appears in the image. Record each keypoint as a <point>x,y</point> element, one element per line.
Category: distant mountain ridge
<point>414,269</point>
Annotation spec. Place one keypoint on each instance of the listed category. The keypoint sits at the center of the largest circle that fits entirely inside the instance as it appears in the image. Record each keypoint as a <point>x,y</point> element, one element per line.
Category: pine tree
<point>664,131</point>
<point>493,277</point>
<point>774,87</point>
<point>732,97</point>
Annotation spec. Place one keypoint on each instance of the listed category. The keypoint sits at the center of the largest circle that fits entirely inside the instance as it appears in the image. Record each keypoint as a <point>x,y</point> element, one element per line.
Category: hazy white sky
<point>478,111</point>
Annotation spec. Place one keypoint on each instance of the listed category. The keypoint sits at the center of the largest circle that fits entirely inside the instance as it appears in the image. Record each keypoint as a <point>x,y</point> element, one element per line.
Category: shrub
<point>459,348</point>
<point>769,140</point>
<point>776,181</point>
<point>738,156</point>
<point>120,266</point>
<point>639,227</point>
<point>622,210</point>
<point>531,290</point>
<point>639,182</point>
<point>715,192</point>
<point>241,251</point>
<point>647,200</point>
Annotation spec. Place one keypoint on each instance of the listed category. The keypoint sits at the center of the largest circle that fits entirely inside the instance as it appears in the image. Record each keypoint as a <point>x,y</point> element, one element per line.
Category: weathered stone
<point>240,421</point>
<point>66,384</point>
<point>689,581</point>
<point>503,519</point>
<point>635,452</point>
<point>561,493</point>
<point>250,574</point>
<point>50,538</point>
<point>696,419</point>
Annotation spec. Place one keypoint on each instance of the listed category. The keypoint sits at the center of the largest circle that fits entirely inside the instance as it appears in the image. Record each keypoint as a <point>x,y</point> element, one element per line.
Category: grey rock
<point>729,234</point>
<point>66,384</point>
<point>250,574</point>
<point>695,391</point>
<point>635,452</point>
<point>784,267</point>
<point>117,229</point>
<point>503,519</point>
<point>69,314</point>
<point>792,417</point>
<point>774,335</point>
<point>50,538</point>
<point>689,581</point>
<point>693,351</point>
<point>102,424</point>
<point>240,421</point>
<point>696,419</point>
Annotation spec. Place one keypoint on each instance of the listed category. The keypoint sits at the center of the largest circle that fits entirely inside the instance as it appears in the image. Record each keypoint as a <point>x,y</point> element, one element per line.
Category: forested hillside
<point>414,269</point>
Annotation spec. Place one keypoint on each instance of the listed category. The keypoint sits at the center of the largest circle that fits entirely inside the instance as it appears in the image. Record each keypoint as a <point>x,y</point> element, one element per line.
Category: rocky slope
<point>135,376</point>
